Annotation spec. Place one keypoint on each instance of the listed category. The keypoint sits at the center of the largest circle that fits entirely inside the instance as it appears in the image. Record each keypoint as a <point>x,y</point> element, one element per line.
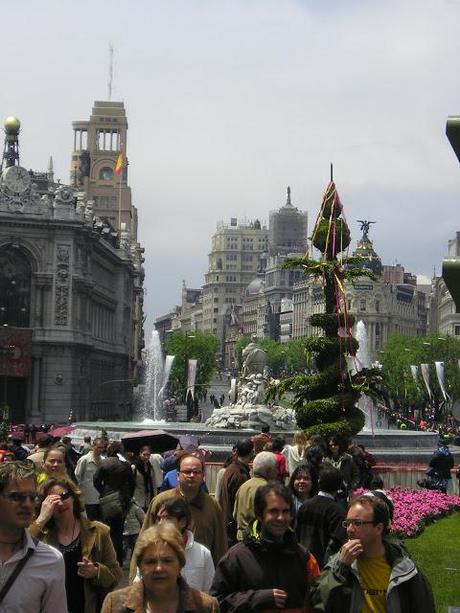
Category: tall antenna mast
<point>110,71</point>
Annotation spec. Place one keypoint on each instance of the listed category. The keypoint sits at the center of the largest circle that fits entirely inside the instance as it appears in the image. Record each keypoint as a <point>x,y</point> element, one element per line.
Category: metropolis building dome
<point>365,249</point>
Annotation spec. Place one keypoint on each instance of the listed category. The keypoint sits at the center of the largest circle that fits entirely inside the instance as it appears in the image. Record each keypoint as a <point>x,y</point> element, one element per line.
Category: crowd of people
<point>284,531</point>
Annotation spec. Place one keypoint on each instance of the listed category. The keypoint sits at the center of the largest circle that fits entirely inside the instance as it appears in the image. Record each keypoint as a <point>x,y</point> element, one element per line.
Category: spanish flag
<point>119,166</point>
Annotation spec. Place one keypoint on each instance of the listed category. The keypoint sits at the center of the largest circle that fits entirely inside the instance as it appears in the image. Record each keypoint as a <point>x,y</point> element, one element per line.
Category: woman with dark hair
<point>303,485</point>
<point>114,475</point>
<point>338,458</point>
<point>91,566</point>
<point>144,477</point>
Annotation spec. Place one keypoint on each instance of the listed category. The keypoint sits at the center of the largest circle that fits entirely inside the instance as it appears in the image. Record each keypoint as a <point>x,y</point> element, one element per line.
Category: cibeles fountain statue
<point>247,408</point>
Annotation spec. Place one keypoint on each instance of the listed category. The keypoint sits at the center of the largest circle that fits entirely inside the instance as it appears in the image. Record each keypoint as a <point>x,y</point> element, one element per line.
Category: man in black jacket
<point>115,475</point>
<point>268,569</point>
<point>319,520</point>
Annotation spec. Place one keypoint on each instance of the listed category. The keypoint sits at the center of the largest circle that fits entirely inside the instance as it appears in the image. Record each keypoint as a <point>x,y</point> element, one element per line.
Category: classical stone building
<point>392,303</point>
<point>238,250</point>
<point>70,299</point>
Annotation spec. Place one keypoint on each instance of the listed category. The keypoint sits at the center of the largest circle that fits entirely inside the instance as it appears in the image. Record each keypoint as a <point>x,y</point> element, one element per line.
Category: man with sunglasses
<point>370,572</point>
<point>39,583</point>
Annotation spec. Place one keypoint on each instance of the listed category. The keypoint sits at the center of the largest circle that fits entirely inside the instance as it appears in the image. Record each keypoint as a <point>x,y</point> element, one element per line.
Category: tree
<point>406,393</point>
<point>325,402</point>
<point>191,345</point>
<point>282,358</point>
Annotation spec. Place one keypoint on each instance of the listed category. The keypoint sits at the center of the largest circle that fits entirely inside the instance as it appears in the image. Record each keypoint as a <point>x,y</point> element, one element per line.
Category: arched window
<point>15,278</point>
<point>106,173</point>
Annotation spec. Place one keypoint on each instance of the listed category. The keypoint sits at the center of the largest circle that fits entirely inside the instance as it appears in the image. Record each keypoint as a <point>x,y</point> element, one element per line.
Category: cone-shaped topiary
<point>325,402</point>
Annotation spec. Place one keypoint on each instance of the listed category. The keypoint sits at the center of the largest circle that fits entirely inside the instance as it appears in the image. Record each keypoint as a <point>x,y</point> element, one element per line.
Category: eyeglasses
<point>20,497</point>
<point>190,473</point>
<point>357,523</point>
<point>65,495</point>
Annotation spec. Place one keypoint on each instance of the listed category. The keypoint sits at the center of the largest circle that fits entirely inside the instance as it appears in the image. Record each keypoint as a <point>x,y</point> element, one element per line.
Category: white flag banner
<point>191,377</point>
<point>414,371</point>
<point>425,370</point>
<point>440,373</point>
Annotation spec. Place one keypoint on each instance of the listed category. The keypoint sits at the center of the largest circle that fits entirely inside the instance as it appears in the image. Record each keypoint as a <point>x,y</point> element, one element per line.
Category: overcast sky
<point>229,102</point>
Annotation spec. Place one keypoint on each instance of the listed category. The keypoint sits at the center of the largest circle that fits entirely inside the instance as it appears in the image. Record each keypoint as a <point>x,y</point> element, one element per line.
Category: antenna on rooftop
<point>110,83</point>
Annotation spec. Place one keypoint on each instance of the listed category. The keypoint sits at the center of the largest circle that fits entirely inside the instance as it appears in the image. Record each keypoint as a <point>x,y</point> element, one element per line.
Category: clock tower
<point>98,145</point>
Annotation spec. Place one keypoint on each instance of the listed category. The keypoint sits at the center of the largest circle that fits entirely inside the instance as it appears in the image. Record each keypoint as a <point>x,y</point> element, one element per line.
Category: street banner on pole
<point>191,377</point>
<point>425,370</point>
<point>440,373</point>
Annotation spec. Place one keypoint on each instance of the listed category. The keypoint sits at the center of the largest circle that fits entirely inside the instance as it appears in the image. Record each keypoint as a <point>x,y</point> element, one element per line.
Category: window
<point>362,305</point>
<point>106,173</point>
<point>377,306</point>
<point>15,279</point>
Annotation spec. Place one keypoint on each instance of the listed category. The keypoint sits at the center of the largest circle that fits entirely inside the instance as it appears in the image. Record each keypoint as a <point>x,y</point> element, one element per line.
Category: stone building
<point>238,250</point>
<point>70,299</point>
<point>392,303</point>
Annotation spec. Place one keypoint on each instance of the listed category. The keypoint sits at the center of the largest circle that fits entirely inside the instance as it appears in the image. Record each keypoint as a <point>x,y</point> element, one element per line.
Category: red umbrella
<point>158,440</point>
<point>61,431</point>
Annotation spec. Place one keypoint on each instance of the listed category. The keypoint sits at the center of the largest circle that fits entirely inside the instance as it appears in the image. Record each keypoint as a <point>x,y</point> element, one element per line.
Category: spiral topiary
<point>325,402</point>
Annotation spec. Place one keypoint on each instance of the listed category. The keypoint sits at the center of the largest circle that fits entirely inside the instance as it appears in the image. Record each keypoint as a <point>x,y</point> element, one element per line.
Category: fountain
<point>156,378</point>
<point>247,408</point>
<point>363,360</point>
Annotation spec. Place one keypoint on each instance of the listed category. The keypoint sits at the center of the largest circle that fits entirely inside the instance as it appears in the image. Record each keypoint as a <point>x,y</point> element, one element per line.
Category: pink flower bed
<point>413,509</point>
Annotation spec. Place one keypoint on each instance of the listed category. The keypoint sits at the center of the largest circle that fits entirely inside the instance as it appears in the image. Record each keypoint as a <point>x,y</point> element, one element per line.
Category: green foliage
<point>282,358</point>
<point>191,345</point>
<point>323,239</point>
<point>437,555</point>
<point>402,351</point>
<point>104,435</point>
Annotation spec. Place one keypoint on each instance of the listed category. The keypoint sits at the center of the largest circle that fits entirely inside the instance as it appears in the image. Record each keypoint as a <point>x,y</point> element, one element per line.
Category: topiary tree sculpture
<point>325,402</point>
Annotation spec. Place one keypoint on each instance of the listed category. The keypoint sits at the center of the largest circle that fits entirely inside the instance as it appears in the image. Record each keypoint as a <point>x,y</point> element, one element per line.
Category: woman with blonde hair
<point>295,454</point>
<point>160,558</point>
<point>91,566</point>
<point>53,464</point>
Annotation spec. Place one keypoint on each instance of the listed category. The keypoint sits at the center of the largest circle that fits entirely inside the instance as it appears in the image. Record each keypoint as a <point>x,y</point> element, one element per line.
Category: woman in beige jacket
<point>90,560</point>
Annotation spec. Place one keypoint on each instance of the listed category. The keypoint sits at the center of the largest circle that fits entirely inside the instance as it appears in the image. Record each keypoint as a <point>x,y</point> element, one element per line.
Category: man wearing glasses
<point>370,573</point>
<point>207,518</point>
<point>34,571</point>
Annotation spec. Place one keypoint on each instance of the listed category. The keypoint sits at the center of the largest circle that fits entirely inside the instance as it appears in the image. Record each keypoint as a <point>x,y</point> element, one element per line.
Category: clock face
<point>16,179</point>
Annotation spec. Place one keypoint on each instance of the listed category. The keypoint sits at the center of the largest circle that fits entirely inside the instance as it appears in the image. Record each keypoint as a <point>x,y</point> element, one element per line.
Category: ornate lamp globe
<point>12,125</point>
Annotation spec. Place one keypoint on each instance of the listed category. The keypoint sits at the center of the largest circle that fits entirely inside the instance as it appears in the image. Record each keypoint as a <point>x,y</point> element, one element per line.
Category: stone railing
<point>402,474</point>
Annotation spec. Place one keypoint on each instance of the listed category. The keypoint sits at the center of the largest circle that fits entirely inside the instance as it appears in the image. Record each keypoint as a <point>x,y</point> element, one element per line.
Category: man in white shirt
<point>40,585</point>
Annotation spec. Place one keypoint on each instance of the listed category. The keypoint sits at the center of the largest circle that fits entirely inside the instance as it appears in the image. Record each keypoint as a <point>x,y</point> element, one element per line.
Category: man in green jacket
<point>371,573</point>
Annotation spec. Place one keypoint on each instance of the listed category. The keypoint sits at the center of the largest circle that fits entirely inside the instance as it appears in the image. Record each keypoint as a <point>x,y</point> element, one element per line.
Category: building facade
<point>70,301</point>
<point>391,303</point>
<point>238,250</point>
